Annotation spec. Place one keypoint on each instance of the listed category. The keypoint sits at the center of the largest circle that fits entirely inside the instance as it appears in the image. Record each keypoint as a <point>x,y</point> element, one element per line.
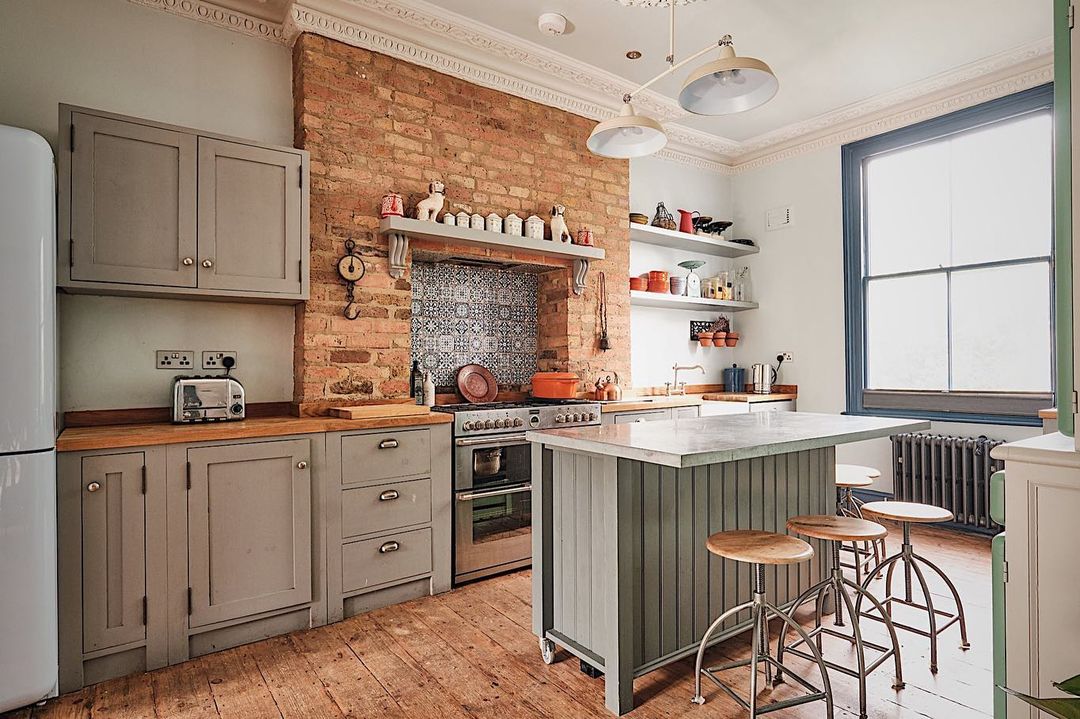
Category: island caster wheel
<point>547,651</point>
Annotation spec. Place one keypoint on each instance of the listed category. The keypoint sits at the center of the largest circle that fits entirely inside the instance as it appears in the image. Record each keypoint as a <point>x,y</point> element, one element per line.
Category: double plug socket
<point>185,359</point>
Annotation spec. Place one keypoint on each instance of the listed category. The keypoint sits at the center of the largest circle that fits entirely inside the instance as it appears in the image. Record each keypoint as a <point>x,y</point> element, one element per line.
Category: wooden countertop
<point>1049,413</point>
<point>76,439</point>
<point>748,397</point>
<point>634,404</point>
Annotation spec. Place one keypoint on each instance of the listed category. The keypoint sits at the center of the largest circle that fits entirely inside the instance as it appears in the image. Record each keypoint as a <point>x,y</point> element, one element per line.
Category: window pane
<point>1001,338</point>
<point>907,215</point>
<point>907,333</point>
<point>1002,191</point>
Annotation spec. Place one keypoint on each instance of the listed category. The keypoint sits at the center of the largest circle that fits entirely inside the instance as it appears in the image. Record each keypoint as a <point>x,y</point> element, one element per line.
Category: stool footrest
<point>816,694</point>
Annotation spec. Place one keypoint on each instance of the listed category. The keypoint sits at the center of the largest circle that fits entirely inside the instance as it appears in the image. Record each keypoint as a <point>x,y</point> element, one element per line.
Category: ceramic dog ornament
<point>428,208</point>
<point>559,231</point>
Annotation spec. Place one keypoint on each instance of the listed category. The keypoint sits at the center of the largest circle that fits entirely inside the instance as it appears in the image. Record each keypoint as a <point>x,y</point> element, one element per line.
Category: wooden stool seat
<point>755,547</point>
<point>855,475</point>
<point>908,512</point>
<point>836,528</point>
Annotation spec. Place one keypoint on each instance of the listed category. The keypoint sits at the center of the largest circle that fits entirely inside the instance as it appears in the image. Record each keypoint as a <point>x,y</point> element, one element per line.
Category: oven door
<point>493,531</point>
<point>490,462</point>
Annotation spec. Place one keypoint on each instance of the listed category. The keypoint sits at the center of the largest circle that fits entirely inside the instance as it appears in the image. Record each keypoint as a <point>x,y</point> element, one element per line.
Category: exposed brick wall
<point>373,124</point>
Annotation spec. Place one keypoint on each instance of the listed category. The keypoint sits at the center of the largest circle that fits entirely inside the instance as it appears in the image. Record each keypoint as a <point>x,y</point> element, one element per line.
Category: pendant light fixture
<point>724,86</point>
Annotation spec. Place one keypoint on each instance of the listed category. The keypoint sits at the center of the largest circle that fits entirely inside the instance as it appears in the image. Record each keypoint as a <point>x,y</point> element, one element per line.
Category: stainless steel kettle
<point>763,376</point>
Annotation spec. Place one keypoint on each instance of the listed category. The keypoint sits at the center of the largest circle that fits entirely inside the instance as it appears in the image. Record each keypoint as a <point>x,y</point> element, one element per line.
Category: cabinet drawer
<point>375,457</point>
<point>367,510</point>
<point>373,562</point>
<point>652,415</point>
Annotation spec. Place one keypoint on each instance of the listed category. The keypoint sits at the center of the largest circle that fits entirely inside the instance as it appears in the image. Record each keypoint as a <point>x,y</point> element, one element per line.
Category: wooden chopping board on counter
<point>372,411</point>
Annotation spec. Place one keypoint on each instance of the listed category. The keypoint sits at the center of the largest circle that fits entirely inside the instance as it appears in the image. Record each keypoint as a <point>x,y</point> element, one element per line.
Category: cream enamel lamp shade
<point>627,135</point>
<point>728,85</point>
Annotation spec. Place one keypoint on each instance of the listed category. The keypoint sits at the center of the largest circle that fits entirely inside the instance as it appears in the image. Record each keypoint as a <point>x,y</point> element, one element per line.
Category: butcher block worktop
<point>77,439</point>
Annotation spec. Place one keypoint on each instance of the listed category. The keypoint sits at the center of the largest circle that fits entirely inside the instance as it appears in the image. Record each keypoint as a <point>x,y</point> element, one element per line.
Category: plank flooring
<point>470,654</point>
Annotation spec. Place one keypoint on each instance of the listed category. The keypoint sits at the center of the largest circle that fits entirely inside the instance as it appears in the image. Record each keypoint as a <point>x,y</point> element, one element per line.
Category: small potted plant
<point>705,339</point>
<point>720,331</point>
<point>732,339</point>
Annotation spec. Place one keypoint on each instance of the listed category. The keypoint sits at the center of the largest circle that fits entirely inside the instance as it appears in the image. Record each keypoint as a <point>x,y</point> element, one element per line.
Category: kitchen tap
<point>676,387</point>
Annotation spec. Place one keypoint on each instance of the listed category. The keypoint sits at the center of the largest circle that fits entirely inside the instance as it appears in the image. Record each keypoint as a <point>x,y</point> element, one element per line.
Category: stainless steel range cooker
<point>493,480</point>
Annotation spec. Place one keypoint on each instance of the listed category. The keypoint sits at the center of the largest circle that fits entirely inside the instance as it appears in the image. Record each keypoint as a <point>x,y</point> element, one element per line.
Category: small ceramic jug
<point>476,221</point>
<point>494,223</point>
<point>449,219</point>
<point>512,225</point>
<point>392,205</point>
<point>534,228</point>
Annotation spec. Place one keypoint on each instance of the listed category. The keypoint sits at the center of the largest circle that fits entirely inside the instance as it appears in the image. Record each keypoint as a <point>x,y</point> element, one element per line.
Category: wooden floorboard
<point>470,654</point>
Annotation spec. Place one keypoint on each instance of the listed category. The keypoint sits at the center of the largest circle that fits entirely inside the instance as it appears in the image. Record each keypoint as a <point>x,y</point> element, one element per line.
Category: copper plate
<point>476,383</point>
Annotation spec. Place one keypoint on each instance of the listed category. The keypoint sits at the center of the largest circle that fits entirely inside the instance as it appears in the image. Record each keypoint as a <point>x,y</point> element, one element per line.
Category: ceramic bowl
<point>639,283</point>
<point>639,219</point>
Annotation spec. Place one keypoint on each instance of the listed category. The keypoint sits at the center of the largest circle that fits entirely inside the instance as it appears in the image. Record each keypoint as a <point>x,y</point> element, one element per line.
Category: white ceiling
<point>827,54</point>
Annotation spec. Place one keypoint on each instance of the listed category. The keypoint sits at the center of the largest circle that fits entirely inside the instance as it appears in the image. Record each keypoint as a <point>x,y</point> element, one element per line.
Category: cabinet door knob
<point>389,547</point>
<point>389,495</point>
<point>188,261</point>
<point>93,487</point>
<point>388,444</point>
<point>301,464</point>
<point>207,263</point>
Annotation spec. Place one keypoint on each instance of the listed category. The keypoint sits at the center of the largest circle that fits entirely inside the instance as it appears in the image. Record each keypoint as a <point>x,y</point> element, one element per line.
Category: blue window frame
<point>948,253</point>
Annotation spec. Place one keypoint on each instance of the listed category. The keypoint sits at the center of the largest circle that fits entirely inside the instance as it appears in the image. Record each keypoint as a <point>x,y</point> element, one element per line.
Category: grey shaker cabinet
<point>113,550</point>
<point>132,195</point>
<point>156,210</point>
<point>249,529</point>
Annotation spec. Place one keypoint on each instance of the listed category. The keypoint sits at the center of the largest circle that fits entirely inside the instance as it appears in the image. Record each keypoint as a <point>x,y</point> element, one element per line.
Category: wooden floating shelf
<point>400,229</point>
<point>674,239</point>
<point>639,298</point>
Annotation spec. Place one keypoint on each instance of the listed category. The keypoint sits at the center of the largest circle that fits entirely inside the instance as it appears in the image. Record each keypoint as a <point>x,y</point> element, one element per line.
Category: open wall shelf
<point>639,298</point>
<point>700,244</point>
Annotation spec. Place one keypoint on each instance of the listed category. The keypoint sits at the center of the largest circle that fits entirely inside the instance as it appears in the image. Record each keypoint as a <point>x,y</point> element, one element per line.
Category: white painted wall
<point>798,279</point>
<point>118,56</point>
<point>660,338</point>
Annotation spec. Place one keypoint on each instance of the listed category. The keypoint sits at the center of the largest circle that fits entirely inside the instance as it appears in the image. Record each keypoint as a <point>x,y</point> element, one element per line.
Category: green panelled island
<point>621,512</point>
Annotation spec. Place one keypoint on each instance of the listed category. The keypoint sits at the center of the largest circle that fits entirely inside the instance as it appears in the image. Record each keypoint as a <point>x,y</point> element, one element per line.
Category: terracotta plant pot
<point>732,339</point>
<point>705,339</point>
<point>718,338</point>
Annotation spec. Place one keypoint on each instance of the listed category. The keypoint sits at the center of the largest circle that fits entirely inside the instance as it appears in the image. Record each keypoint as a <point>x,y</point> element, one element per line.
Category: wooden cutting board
<point>369,411</point>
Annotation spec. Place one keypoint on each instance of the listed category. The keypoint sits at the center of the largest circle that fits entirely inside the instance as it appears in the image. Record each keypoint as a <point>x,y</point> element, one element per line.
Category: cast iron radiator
<point>949,472</point>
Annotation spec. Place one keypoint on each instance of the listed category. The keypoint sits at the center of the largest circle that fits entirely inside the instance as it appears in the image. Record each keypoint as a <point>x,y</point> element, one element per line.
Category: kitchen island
<point>621,576</point>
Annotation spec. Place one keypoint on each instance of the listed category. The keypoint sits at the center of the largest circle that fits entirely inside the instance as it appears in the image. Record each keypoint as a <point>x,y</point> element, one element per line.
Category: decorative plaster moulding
<point>432,37</point>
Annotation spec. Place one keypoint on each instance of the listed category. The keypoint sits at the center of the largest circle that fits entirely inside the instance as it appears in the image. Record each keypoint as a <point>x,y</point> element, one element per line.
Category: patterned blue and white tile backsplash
<point>474,315</point>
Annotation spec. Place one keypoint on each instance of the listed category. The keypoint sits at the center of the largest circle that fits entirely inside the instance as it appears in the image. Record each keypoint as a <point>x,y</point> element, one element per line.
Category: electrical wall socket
<point>787,357</point>
<point>174,359</point>
<point>211,359</point>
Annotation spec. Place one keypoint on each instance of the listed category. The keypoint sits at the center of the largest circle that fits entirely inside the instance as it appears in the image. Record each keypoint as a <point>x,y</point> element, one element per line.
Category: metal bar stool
<point>758,549</point>
<point>866,554</point>
<point>908,513</point>
<point>836,531</point>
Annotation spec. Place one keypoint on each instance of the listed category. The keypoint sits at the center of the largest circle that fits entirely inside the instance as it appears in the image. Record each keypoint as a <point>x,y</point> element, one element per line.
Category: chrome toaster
<point>207,399</point>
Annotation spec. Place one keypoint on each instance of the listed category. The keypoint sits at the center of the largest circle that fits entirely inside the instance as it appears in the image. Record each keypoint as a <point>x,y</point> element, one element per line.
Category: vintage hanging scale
<point>351,268</point>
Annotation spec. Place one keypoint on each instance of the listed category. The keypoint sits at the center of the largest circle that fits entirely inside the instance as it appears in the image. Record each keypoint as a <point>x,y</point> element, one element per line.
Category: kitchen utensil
<point>693,282</point>
<point>639,219</point>
<point>663,218</point>
<point>555,385</point>
<point>677,284</point>
<point>512,225</point>
<point>476,383</point>
<point>734,379</point>
<point>392,205</point>
<point>639,283</point>
<point>763,377</point>
<point>493,223</point>
<point>613,388</point>
<point>369,411</point>
<point>701,221</point>
<point>686,220</point>
<point>476,221</point>
<point>604,343</point>
<point>487,462</point>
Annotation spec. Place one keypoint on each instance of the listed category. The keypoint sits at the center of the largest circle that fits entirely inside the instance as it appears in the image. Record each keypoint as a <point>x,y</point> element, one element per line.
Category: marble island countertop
<point>710,440</point>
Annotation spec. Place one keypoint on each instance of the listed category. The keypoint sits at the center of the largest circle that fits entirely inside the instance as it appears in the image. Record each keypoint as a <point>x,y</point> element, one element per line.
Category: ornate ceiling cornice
<point>426,35</point>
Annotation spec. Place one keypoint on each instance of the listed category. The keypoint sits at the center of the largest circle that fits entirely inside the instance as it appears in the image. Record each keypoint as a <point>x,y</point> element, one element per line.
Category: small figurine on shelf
<point>559,231</point>
<point>663,218</point>
<point>428,208</point>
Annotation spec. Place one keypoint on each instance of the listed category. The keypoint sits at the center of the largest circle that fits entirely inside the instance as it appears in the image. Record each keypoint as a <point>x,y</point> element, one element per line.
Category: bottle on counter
<point>429,390</point>
<point>416,383</point>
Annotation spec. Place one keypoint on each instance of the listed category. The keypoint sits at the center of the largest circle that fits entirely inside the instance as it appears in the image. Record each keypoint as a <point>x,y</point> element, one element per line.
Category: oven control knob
<point>577,417</point>
<point>534,421</point>
<point>467,426</point>
<point>518,422</point>
<point>500,423</point>
<point>489,424</point>
<point>559,419</point>
<point>592,416</point>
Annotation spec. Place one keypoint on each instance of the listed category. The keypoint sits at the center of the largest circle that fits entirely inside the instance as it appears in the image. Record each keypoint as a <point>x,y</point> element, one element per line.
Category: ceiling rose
<point>652,3</point>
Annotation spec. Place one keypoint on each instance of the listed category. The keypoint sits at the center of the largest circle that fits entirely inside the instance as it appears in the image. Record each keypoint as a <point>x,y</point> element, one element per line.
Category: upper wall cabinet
<point>154,210</point>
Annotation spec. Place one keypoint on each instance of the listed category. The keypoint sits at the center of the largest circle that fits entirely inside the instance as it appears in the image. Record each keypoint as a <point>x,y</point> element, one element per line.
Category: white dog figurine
<point>559,230</point>
<point>428,208</point>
